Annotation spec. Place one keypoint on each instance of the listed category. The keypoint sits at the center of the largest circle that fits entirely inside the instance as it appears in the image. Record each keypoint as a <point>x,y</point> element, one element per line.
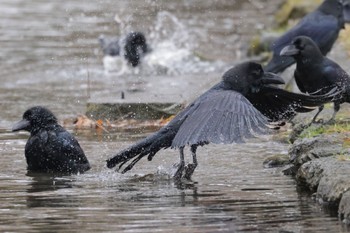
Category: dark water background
<point>48,51</point>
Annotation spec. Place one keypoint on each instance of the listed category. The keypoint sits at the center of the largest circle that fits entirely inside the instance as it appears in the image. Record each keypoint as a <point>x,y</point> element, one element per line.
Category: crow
<point>50,148</point>
<point>133,47</point>
<point>322,25</point>
<point>317,74</point>
<point>230,111</point>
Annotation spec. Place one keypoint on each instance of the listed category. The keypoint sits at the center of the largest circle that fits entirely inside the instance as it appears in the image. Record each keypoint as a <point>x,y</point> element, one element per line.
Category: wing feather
<point>222,117</point>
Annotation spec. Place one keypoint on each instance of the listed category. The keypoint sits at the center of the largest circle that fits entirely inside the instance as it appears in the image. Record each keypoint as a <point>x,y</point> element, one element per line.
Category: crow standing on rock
<point>322,25</point>
<point>317,74</point>
<point>241,106</point>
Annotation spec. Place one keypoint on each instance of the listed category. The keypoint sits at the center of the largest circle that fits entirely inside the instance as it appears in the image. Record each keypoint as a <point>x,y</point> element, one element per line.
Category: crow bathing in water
<point>316,73</point>
<point>134,47</point>
<point>230,111</point>
<point>50,148</point>
<point>322,25</point>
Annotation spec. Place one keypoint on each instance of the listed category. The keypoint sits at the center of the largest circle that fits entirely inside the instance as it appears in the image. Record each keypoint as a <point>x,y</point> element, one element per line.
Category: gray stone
<point>140,111</point>
<point>329,177</point>
<point>276,161</point>
<point>306,149</point>
<point>149,97</point>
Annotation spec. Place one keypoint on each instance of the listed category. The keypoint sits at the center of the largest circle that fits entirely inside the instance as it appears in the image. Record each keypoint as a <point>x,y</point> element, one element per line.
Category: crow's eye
<point>299,44</point>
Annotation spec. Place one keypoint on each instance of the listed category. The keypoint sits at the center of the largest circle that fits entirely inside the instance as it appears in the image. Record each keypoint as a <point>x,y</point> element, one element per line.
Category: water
<point>49,50</point>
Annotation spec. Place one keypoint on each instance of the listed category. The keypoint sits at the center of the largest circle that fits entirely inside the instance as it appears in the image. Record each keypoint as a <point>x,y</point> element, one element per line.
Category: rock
<point>309,175</point>
<point>332,186</point>
<point>319,175</point>
<point>344,207</point>
<point>276,161</point>
<point>296,131</point>
<point>326,172</point>
<point>306,149</point>
<point>148,97</point>
<point>133,110</point>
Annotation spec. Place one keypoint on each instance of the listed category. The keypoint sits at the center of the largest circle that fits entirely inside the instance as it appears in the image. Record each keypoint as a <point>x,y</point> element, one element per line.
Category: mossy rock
<point>132,110</point>
<point>318,129</point>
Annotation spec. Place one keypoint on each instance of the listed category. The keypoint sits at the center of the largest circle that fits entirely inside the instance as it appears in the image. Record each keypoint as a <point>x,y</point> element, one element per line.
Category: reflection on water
<point>49,56</point>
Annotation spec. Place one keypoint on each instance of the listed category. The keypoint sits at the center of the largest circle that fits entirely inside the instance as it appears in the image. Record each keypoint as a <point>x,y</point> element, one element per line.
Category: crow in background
<point>133,47</point>
<point>50,148</point>
<point>230,111</point>
<point>322,25</point>
<point>316,73</point>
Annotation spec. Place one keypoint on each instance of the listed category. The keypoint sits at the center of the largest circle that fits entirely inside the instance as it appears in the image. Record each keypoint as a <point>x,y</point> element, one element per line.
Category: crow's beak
<point>289,50</point>
<point>270,78</point>
<point>21,125</point>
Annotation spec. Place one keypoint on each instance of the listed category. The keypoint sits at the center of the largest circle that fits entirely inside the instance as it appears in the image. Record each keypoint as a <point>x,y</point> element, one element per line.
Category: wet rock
<point>332,187</point>
<point>306,149</point>
<point>296,131</point>
<point>134,110</point>
<point>329,177</point>
<point>344,207</point>
<point>322,164</point>
<point>149,97</point>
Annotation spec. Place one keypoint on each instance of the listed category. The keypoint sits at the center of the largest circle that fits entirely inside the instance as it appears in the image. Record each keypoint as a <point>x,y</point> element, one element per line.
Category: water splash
<point>172,51</point>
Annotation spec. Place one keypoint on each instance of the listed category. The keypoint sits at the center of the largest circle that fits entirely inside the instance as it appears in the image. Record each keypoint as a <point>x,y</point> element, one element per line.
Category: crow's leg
<point>189,169</point>
<point>319,111</point>
<point>180,166</point>
<point>336,109</point>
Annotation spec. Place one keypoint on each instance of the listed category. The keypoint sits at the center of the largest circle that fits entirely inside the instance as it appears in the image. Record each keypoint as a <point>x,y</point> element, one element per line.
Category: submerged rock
<point>276,161</point>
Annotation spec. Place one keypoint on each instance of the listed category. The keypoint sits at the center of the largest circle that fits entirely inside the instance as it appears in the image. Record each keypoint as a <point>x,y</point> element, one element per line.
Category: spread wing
<point>222,117</point>
<point>278,104</point>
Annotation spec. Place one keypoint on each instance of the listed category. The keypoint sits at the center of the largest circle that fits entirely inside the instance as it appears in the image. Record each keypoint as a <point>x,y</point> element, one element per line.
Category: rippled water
<point>49,50</point>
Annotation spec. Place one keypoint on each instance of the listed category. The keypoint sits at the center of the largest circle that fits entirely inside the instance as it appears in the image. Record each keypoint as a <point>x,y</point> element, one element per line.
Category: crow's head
<point>34,119</point>
<point>249,77</point>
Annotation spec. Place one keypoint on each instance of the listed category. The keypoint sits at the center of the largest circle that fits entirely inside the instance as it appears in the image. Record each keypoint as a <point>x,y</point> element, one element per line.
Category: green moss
<point>316,130</point>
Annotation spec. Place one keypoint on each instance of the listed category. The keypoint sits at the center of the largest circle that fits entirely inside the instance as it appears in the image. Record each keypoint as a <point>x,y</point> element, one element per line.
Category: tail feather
<point>127,154</point>
<point>148,146</point>
<point>303,100</point>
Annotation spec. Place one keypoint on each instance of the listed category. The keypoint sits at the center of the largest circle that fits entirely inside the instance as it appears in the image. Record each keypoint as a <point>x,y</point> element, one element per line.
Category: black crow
<point>50,148</point>
<point>133,47</point>
<point>322,25</point>
<point>317,74</point>
<point>226,113</point>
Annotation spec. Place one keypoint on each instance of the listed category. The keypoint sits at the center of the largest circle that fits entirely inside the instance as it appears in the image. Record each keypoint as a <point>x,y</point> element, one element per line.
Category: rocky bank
<point>319,156</point>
